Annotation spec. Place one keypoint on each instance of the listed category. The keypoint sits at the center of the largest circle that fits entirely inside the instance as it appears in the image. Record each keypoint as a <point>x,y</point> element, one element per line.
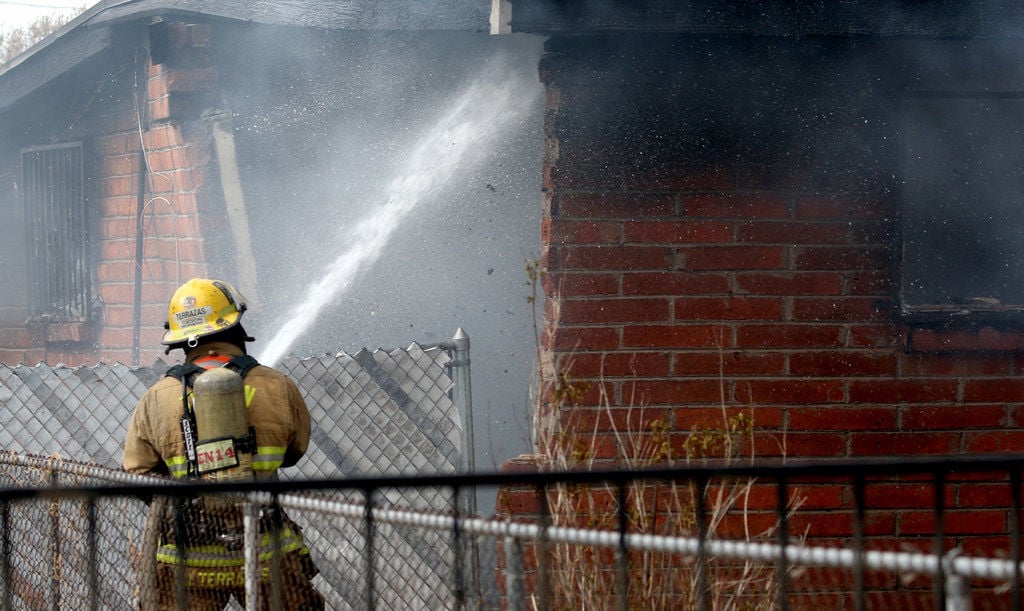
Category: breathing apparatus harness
<point>186,373</point>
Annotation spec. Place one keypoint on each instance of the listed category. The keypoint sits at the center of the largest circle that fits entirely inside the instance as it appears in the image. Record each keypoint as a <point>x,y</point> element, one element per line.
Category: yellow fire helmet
<point>202,307</point>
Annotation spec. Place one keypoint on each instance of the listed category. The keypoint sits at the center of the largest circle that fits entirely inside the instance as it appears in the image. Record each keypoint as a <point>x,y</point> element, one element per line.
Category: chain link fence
<point>383,412</point>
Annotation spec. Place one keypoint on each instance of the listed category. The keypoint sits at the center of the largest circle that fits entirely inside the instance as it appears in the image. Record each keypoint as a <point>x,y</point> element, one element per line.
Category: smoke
<point>473,120</point>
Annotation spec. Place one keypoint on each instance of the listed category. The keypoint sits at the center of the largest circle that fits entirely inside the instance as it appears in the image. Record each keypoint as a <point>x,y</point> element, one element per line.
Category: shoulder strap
<point>242,364</point>
<point>183,372</point>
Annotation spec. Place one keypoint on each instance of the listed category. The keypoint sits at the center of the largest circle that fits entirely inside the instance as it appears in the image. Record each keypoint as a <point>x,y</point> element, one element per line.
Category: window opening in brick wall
<point>963,207</point>
<point>55,212</point>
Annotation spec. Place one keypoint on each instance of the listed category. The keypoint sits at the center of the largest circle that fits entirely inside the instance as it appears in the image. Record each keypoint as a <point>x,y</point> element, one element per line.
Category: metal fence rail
<point>78,546</point>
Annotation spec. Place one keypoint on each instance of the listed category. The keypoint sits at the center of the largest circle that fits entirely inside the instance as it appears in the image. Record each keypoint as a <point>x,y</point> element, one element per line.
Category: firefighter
<point>204,321</point>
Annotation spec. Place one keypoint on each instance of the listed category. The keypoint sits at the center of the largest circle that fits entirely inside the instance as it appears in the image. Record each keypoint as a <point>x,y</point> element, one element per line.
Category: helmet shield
<point>202,307</point>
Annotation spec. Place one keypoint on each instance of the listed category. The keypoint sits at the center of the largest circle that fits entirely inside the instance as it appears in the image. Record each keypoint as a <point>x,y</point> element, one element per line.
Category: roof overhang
<point>881,18</point>
<point>95,30</point>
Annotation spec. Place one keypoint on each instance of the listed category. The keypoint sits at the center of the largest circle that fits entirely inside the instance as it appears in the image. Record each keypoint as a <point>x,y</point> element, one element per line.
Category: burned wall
<point>723,231</point>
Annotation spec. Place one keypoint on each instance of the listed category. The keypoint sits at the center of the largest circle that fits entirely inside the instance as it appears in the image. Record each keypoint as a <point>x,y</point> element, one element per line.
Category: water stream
<point>454,142</point>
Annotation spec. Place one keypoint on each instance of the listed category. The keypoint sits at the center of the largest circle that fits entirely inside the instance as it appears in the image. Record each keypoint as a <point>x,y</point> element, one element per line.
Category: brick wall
<point>162,129</point>
<point>720,236</point>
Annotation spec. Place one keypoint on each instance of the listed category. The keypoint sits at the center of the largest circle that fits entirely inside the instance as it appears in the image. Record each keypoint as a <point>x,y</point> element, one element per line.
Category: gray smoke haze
<point>322,127</point>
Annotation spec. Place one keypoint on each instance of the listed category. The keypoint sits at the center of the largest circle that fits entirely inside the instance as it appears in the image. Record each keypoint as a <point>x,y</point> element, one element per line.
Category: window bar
<point>62,207</point>
<point>860,600</point>
<point>939,586</point>
<point>1015,537</point>
<point>782,591</point>
<point>81,218</point>
<point>703,568</point>
<point>53,244</point>
<point>621,555</point>
<point>368,533</point>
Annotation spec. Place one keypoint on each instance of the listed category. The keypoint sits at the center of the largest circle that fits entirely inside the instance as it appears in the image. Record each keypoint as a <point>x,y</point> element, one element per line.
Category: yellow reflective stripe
<point>268,458</point>
<point>177,466</point>
<point>218,556</point>
<point>250,392</point>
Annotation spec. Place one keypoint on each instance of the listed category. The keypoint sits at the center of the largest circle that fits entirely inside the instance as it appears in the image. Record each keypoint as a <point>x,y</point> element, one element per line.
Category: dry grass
<point>579,577</point>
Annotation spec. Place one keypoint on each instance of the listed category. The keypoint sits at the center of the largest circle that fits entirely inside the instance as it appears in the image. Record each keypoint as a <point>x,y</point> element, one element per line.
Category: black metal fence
<point>908,534</point>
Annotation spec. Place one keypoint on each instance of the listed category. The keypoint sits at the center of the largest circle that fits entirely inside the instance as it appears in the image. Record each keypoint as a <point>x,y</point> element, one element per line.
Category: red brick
<point>938,364</point>
<point>953,523</point>
<point>730,257</point>
<point>853,309</point>
<point>994,442</point>
<point>674,283</point>
<point>789,232</point>
<point>606,311</point>
<point>119,165</point>
<point>586,338</point>
<point>617,364</point>
<point>789,336</point>
<point>156,85</point>
<point>118,186</point>
<point>765,496</point>
<point>985,495</point>
<point>839,258</point>
<point>843,208</point>
<point>117,250</point>
<point>658,392</point>
<point>716,308</point>
<point>676,336</point>
<point>846,362</point>
<point>118,144</point>
<point>872,336</point>
<point>191,80</point>
<point>581,284</point>
<point>609,258</point>
<point>746,206</point>
<point>994,389</point>
<point>823,524</point>
<point>714,418</point>
<point>802,445</point>
<point>583,232</point>
<point>730,363</point>
<point>159,109</point>
<point>958,417</point>
<point>790,391</point>
<point>898,495</point>
<point>118,206</point>
<point>867,282</point>
<point>613,205</point>
<point>677,232</point>
<point>903,391</point>
<point>820,418</point>
<point>624,420</point>
<point>810,283</point>
<point>982,338</point>
<point>904,443</point>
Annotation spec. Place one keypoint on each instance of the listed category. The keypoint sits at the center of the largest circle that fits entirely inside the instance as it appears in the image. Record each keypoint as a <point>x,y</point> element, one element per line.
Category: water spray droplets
<point>463,134</point>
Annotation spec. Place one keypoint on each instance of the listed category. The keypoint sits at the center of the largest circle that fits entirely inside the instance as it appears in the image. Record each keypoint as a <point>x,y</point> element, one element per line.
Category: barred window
<point>55,213</point>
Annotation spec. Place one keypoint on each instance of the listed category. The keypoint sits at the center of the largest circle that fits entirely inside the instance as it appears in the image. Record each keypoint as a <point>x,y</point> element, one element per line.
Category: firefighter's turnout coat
<point>154,445</point>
